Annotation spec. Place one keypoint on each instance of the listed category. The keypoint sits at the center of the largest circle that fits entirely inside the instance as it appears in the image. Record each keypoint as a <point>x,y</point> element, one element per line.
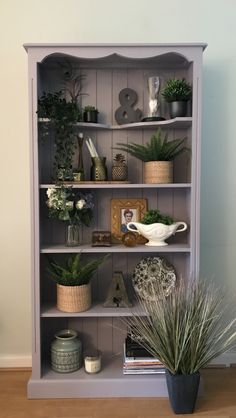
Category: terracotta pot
<point>160,172</point>
<point>73,298</point>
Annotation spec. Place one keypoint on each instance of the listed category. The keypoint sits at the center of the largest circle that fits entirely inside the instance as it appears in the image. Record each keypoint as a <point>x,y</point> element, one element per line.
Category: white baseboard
<point>15,361</point>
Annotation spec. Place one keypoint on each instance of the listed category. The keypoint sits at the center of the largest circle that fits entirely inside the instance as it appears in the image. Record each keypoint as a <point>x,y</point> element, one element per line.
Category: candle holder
<point>92,362</point>
<point>154,84</point>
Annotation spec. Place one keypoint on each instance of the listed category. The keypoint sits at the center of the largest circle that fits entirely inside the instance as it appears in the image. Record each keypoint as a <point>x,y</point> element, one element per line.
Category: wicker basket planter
<point>74,298</point>
<point>158,172</point>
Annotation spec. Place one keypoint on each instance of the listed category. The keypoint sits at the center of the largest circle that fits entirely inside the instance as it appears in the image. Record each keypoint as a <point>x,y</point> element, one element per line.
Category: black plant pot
<point>177,109</point>
<point>182,390</point>
<point>91,116</point>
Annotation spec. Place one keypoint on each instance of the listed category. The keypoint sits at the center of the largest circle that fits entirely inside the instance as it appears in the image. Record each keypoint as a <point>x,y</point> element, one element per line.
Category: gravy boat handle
<point>179,224</point>
<point>131,229</point>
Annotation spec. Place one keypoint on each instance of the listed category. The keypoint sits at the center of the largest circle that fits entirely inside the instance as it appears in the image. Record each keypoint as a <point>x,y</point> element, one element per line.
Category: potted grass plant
<point>177,93</point>
<point>185,331</point>
<point>90,114</point>
<point>157,155</point>
<point>73,282</point>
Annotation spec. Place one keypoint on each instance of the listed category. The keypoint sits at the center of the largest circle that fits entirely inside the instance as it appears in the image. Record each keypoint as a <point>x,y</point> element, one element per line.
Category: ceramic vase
<point>66,351</point>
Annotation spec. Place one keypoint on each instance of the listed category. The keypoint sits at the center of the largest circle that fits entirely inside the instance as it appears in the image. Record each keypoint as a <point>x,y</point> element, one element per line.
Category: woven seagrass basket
<point>74,298</point>
<point>158,172</point>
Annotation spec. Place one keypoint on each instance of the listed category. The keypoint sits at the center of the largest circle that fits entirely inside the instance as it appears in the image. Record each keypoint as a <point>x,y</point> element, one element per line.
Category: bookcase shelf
<point>171,248</point>
<point>107,70</point>
<point>176,123</point>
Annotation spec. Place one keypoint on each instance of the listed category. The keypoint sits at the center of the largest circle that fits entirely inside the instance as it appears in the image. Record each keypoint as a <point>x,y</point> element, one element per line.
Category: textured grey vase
<point>66,351</point>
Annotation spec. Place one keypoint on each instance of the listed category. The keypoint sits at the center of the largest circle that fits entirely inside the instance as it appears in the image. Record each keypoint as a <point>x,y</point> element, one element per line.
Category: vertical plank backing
<point>135,82</point>
<point>105,334</point>
<point>90,333</point>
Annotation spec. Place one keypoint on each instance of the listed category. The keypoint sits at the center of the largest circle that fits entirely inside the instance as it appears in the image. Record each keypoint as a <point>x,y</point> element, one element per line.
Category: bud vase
<point>73,236</point>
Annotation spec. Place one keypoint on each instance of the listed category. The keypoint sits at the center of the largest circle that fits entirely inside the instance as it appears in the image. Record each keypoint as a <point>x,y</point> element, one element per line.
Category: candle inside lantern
<point>92,362</point>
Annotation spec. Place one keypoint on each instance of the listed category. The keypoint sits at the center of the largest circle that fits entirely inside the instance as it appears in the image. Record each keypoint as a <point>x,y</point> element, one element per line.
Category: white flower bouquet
<point>66,205</point>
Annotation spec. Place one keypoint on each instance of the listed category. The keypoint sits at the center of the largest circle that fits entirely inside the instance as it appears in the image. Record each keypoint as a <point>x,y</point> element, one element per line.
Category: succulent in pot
<point>177,93</point>
<point>73,282</point>
<point>90,114</point>
<point>185,331</point>
<point>157,155</point>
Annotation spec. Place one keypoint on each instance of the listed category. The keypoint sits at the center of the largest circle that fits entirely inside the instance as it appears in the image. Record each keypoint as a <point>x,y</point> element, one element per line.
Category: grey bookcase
<point>108,69</point>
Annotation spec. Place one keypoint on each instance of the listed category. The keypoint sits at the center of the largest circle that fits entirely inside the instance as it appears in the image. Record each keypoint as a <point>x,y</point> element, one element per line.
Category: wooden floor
<point>219,400</point>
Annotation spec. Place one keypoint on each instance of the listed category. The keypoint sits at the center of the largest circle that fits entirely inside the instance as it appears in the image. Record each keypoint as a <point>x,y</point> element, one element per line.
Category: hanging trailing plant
<point>63,116</point>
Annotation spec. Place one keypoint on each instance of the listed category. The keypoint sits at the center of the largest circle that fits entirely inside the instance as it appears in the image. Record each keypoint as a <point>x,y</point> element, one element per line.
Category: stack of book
<point>137,360</point>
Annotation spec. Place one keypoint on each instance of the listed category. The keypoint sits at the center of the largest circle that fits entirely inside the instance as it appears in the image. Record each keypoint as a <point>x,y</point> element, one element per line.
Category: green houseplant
<point>185,331</point>
<point>177,93</point>
<point>62,115</point>
<point>156,227</point>
<point>73,282</point>
<point>90,114</point>
<point>157,155</point>
<point>155,216</point>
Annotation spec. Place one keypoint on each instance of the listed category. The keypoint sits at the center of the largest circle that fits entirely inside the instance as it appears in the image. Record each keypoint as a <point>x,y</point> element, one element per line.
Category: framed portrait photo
<point>124,211</point>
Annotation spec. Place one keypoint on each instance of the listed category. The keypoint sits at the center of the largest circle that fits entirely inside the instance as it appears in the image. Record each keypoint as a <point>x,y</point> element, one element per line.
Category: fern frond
<point>158,149</point>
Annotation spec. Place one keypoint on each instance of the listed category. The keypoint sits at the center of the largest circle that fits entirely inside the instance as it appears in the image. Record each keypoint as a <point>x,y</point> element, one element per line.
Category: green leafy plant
<point>90,109</point>
<point>158,149</point>
<point>187,329</point>
<point>63,116</point>
<point>177,90</point>
<point>155,216</point>
<point>72,81</point>
<point>74,272</point>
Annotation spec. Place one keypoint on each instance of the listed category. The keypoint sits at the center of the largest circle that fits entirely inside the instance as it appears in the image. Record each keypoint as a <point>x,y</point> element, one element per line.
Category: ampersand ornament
<point>125,113</point>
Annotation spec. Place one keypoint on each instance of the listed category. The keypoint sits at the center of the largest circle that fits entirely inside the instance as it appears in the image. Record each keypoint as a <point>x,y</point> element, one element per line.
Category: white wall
<point>112,21</point>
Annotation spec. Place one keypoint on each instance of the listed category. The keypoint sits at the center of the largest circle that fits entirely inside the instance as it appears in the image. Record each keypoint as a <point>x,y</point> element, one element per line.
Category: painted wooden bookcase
<point>107,70</point>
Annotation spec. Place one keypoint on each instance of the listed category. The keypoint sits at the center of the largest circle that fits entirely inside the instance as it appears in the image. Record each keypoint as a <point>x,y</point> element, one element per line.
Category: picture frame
<point>124,211</point>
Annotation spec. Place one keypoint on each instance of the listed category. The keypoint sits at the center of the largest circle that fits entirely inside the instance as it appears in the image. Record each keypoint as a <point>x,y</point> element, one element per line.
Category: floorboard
<point>218,401</point>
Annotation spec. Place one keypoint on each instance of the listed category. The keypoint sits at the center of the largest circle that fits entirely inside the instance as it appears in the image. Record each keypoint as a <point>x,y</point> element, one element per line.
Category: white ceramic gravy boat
<point>156,233</point>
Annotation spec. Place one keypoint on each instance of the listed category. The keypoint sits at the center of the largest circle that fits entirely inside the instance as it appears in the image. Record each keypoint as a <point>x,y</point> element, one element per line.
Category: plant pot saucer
<point>153,118</point>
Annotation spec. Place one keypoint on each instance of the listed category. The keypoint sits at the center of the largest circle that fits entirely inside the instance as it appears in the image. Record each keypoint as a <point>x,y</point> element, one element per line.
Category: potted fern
<point>73,282</point>
<point>177,93</point>
<point>157,155</point>
<point>185,331</point>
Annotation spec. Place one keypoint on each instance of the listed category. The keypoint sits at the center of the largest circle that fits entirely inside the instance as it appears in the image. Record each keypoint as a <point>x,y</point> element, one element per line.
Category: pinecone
<point>119,168</point>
